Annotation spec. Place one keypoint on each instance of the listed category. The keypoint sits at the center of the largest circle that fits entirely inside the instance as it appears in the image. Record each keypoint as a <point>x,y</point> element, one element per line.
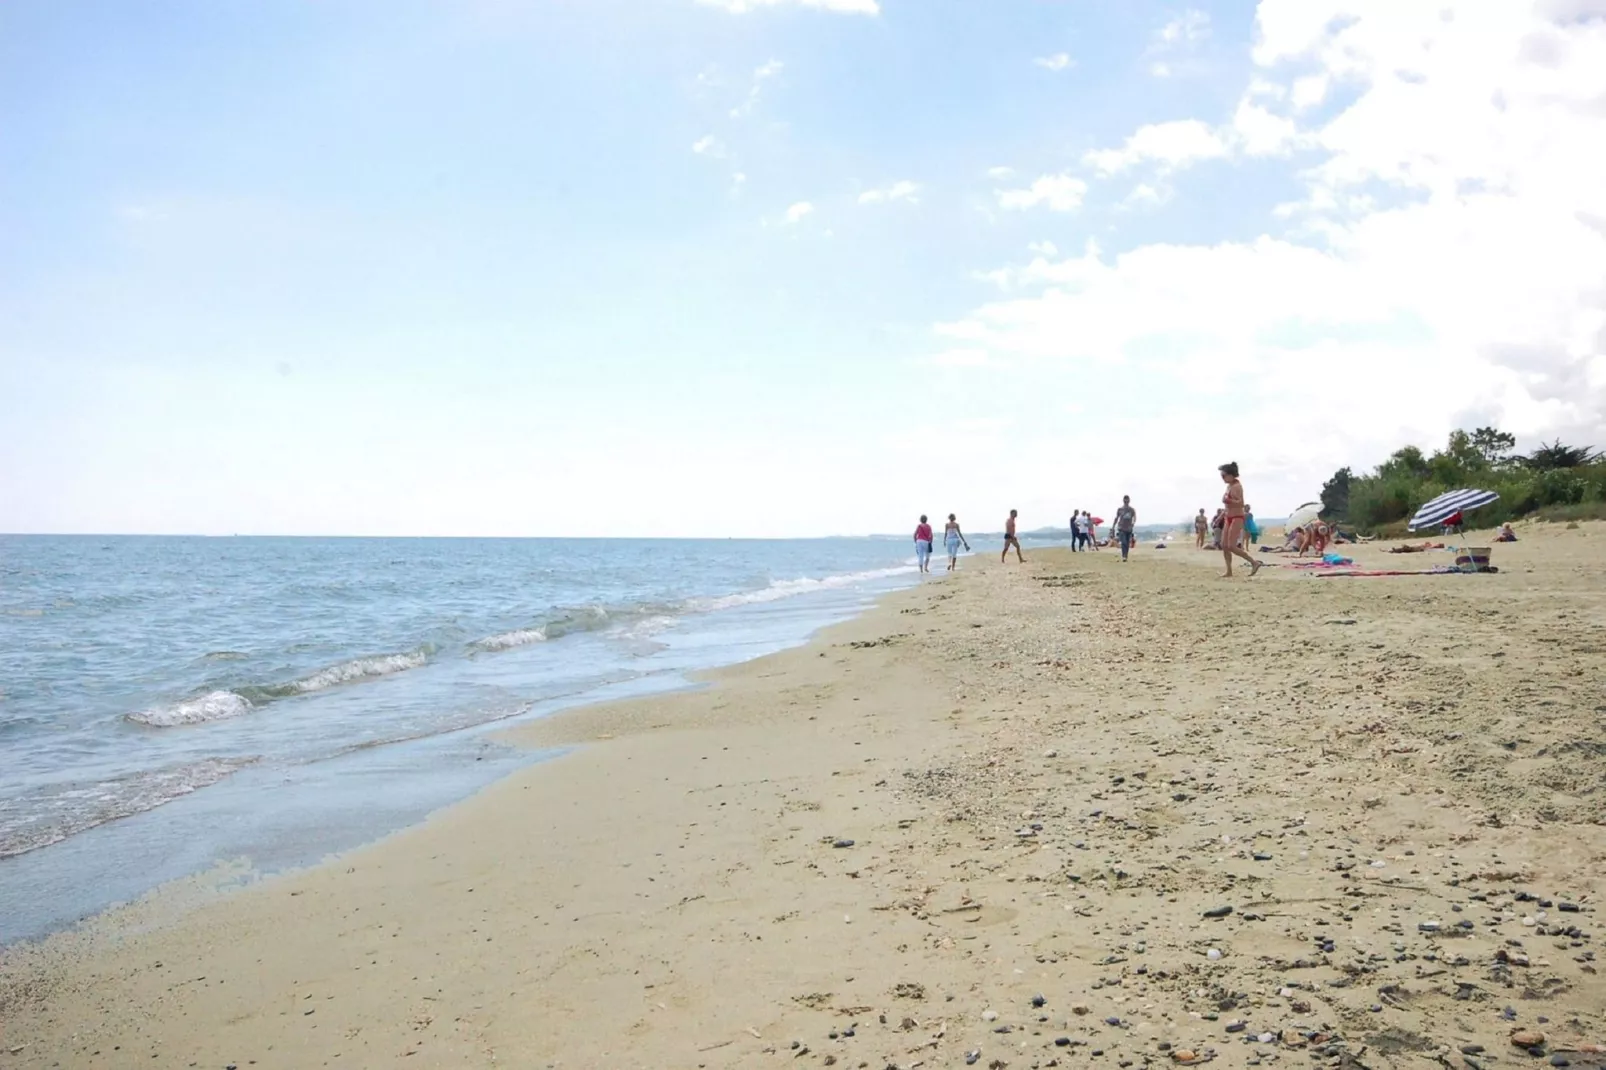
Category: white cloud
<point>1455,213</point>
<point>848,7</point>
<point>798,211</point>
<point>1176,42</point>
<point>1061,193</point>
<point>998,174</point>
<point>738,183</point>
<point>763,74</point>
<point>1258,132</point>
<point>709,145</point>
<point>898,191</point>
<point>1310,91</point>
<point>1188,27</point>
<point>1147,195</point>
<point>1172,144</point>
<point>1059,61</point>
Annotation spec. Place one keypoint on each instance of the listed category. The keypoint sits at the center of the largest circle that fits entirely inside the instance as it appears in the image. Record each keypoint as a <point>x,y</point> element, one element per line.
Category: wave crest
<point>508,640</point>
<point>212,706</point>
<point>359,669</point>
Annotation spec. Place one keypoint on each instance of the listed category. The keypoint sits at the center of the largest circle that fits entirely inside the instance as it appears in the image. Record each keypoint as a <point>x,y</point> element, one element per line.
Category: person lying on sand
<point>1414,548</point>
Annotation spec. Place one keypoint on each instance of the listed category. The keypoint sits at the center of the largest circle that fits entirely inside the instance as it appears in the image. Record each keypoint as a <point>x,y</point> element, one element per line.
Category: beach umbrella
<point>1098,520</point>
<point>1304,514</point>
<point>1445,506</point>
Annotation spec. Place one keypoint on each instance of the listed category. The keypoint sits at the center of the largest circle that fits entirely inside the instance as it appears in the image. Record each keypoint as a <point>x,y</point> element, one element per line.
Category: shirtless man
<point>1010,539</point>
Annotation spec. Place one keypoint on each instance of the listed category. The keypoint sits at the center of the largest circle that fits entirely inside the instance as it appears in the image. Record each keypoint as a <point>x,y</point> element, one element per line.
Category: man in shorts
<point>1126,522</point>
<point>1011,539</point>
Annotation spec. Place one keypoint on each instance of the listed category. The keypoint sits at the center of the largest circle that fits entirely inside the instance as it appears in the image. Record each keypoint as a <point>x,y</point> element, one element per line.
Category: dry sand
<point>1049,775</point>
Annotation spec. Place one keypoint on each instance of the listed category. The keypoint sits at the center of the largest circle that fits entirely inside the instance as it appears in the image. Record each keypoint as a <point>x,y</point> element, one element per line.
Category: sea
<point>167,704</point>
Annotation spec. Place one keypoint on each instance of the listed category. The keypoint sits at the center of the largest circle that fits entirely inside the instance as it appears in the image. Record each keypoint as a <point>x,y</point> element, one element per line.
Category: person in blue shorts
<point>952,537</point>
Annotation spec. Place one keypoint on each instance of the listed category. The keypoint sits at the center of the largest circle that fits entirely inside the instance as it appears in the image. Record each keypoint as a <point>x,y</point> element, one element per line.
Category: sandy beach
<point>1065,813</point>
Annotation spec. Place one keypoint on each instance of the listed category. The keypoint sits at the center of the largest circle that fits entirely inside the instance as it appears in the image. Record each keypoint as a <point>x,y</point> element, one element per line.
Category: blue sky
<point>707,267</point>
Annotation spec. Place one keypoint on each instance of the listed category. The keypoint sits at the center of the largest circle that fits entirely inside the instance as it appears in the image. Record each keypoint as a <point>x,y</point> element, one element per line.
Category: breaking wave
<point>223,705</point>
<point>212,706</point>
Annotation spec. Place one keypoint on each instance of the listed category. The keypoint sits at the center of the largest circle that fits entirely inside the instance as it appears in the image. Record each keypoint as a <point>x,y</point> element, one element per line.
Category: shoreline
<point>669,894</point>
<point>275,814</point>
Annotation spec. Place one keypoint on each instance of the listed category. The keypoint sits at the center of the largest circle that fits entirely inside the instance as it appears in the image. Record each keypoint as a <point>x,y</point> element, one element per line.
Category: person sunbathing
<point>1506,534</point>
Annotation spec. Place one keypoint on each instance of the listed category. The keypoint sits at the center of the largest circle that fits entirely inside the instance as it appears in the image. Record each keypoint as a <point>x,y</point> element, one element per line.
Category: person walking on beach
<point>923,545</point>
<point>952,537</point>
<point>1126,520</point>
<point>1076,530</point>
<point>1232,528</point>
<point>1011,539</point>
<point>1201,528</point>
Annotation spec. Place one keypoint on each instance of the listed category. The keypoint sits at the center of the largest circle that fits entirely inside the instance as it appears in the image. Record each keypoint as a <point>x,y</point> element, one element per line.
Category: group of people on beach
<point>1234,529</point>
<point>952,538</point>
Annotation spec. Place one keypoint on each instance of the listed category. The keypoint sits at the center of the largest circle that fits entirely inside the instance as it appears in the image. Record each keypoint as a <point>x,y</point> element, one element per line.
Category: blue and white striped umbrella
<point>1445,506</point>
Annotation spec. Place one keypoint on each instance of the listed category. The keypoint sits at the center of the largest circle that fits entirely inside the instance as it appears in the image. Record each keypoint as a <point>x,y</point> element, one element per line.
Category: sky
<point>778,267</point>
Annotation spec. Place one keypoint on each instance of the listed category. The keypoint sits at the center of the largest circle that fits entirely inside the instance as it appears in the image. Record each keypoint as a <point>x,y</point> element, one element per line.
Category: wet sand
<point>1020,783</point>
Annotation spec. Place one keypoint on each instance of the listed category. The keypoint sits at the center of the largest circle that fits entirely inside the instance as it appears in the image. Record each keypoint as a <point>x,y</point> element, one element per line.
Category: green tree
<point>1495,445</point>
<point>1554,456</point>
<point>1405,461</point>
<point>1335,495</point>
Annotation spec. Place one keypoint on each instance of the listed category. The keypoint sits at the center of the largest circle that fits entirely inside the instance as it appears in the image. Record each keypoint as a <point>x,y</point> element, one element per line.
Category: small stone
<point>1062,1042</point>
<point>1560,1060</point>
<point>1237,1027</point>
<point>1214,954</point>
<point>1038,1000</point>
<point>1427,927</point>
<point>1184,1055</point>
<point>1080,1008</point>
<point>1527,1038</point>
<point>972,1056</point>
<point>1299,1006</point>
<point>1376,1008</point>
<point>989,1016</point>
<point>842,843</point>
<point>1261,856</point>
<point>1566,907</point>
<point>1051,753</point>
<point>1219,912</point>
<point>1112,1021</point>
<point>1266,1038</point>
<point>1471,1049</point>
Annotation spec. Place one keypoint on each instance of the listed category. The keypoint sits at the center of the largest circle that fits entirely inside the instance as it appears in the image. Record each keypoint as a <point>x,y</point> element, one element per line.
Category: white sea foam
<point>509,640</point>
<point>779,589</point>
<point>32,821</point>
<point>361,669</point>
<point>212,706</point>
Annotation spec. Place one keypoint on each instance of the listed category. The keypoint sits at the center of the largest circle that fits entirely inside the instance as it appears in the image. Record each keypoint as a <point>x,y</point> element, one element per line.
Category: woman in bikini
<point>1232,534</point>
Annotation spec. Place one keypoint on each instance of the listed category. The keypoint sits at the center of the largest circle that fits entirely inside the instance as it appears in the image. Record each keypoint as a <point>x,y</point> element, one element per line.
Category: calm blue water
<point>171,701</point>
